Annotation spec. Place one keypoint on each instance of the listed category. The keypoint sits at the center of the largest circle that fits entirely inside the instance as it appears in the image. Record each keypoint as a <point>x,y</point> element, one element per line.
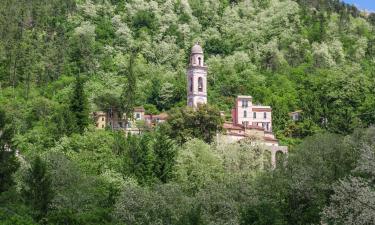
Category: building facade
<point>249,115</point>
<point>196,78</point>
<point>138,122</point>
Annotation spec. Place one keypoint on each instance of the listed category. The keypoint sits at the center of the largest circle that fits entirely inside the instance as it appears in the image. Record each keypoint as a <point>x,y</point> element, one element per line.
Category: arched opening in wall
<point>200,84</point>
<point>199,61</point>
<point>190,103</point>
<point>280,158</point>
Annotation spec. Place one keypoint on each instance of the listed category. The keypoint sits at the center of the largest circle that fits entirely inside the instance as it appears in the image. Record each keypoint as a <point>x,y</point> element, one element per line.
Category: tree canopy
<point>61,60</point>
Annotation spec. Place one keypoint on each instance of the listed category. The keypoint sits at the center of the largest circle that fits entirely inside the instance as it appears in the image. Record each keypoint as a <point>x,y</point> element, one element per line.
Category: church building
<point>249,121</point>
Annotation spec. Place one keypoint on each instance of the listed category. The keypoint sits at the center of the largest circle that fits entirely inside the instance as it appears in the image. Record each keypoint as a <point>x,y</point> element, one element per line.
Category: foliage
<point>185,123</point>
<point>197,165</point>
<point>62,59</point>
<point>353,198</point>
<point>8,161</point>
<point>79,107</point>
<point>38,192</point>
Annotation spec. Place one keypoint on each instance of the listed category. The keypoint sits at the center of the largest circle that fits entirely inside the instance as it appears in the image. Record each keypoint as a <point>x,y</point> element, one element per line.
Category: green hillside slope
<point>62,59</point>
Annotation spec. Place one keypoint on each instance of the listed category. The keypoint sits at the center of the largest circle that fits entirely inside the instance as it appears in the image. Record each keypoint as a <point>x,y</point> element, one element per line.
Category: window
<point>245,114</point>
<point>102,125</point>
<point>199,61</point>
<point>200,84</point>
<point>254,115</point>
<point>138,115</point>
<point>191,84</point>
<point>102,118</point>
<point>245,103</point>
<point>265,115</point>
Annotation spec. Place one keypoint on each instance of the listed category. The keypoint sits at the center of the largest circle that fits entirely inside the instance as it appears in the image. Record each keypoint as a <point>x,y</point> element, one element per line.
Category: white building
<point>196,78</point>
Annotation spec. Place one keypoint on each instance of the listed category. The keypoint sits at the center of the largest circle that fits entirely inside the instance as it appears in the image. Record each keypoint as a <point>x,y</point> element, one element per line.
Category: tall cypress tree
<point>38,191</point>
<point>165,156</point>
<point>128,95</point>
<point>8,161</point>
<point>79,106</point>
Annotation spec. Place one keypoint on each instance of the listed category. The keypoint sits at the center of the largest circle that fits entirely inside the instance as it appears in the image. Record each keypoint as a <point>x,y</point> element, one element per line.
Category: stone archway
<point>277,150</point>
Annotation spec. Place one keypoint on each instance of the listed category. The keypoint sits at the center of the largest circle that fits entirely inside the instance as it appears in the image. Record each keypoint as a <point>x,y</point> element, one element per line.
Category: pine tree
<point>165,156</point>
<point>38,191</point>
<point>139,159</point>
<point>128,96</point>
<point>8,161</point>
<point>79,106</point>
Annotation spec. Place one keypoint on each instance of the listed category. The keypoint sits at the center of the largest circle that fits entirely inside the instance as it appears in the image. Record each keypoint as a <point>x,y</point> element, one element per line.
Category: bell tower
<point>196,78</point>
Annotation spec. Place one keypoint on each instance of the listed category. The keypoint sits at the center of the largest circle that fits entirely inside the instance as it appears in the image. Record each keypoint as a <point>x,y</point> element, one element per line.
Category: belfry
<point>196,78</point>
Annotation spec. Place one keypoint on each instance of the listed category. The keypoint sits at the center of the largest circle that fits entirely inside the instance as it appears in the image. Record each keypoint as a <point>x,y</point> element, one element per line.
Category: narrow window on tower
<point>245,114</point>
<point>199,61</point>
<point>265,115</point>
<point>191,84</point>
<point>254,115</point>
<point>200,84</point>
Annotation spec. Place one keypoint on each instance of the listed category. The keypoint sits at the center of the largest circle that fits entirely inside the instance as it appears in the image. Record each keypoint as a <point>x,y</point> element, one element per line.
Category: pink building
<point>248,115</point>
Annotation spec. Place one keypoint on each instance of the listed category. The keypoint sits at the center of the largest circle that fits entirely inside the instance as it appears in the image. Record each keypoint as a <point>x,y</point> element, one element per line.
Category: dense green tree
<point>79,105</point>
<point>9,165</point>
<point>128,94</point>
<point>185,123</point>
<point>197,165</point>
<point>8,161</point>
<point>261,213</point>
<point>139,159</point>
<point>354,196</point>
<point>37,191</point>
<point>330,158</point>
<point>165,156</point>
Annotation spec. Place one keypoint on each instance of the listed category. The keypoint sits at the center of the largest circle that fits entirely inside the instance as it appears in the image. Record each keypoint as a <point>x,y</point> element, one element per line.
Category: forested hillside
<point>62,59</point>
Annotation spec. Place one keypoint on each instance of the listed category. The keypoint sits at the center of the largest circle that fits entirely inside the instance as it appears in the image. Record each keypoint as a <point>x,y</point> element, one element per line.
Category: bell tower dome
<point>196,78</point>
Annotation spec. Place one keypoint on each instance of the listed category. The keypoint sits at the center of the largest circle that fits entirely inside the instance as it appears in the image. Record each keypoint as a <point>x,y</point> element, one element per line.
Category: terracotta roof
<point>295,112</point>
<point>231,126</point>
<point>147,117</point>
<point>254,127</point>
<point>139,109</point>
<point>161,116</point>
<point>244,97</point>
<point>99,113</point>
<point>270,139</point>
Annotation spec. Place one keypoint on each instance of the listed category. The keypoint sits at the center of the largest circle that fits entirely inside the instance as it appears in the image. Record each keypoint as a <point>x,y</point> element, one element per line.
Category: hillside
<point>62,59</point>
